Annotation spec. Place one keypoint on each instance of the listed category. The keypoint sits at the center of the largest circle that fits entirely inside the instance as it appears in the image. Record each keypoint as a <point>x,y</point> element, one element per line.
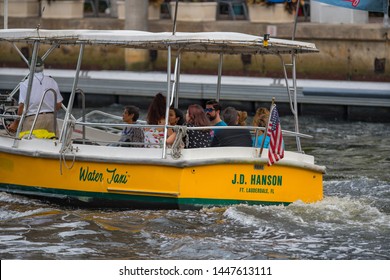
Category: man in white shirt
<point>40,84</point>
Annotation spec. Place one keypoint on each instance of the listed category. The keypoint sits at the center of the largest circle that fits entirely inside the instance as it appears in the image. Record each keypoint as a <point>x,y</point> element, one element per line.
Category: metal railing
<point>39,111</point>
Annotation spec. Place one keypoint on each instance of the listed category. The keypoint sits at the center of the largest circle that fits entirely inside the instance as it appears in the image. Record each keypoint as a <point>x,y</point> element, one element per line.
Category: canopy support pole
<point>292,94</point>
<point>220,64</point>
<point>169,89</point>
<point>48,52</point>
<point>29,86</point>
<point>71,98</point>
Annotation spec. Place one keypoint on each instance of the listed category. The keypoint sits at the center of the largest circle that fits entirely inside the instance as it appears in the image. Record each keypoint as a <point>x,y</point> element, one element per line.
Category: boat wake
<point>334,228</point>
<point>351,222</point>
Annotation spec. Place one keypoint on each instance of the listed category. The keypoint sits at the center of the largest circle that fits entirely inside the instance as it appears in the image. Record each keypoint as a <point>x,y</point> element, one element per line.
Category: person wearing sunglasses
<point>213,111</point>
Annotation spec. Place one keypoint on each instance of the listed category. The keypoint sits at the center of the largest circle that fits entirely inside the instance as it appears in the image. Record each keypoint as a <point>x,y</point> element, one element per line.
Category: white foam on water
<point>77,224</point>
<point>15,199</point>
<point>73,233</point>
<point>334,228</point>
<point>7,238</point>
<point>331,212</point>
<point>6,214</point>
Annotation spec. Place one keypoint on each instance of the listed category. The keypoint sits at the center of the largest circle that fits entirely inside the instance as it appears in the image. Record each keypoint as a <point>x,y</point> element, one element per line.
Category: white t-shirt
<point>40,84</point>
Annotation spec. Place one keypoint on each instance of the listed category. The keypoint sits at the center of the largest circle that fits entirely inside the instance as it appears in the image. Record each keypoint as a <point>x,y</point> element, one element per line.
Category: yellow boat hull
<point>159,186</point>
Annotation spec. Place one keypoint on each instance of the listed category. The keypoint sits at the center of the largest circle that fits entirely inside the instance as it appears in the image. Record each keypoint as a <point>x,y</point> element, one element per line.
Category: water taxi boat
<point>80,168</point>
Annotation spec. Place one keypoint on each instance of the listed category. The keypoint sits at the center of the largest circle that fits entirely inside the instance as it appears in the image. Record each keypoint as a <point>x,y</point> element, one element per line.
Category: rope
<point>67,146</point>
<point>178,144</point>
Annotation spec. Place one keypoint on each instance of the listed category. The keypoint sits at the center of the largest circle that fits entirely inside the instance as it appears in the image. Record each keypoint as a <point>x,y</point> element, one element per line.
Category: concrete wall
<point>347,51</point>
<point>324,13</point>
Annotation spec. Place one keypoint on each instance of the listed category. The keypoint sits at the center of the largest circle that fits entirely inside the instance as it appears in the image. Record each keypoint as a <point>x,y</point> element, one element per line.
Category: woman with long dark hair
<point>154,136</point>
<point>195,117</point>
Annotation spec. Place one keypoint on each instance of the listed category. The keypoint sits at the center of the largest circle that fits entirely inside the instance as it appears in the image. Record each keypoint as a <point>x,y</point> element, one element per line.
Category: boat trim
<point>128,201</point>
<point>145,192</point>
<point>166,162</point>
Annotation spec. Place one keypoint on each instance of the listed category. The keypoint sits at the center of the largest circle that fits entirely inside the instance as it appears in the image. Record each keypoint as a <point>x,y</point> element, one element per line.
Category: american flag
<point>276,149</point>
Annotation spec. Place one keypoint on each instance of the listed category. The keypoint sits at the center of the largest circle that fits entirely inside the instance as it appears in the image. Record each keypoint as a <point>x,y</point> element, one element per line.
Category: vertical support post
<point>176,104</point>
<point>220,64</point>
<point>294,80</point>
<point>29,86</point>
<point>39,109</point>
<point>292,94</point>
<point>164,154</point>
<point>15,90</point>
<point>72,95</point>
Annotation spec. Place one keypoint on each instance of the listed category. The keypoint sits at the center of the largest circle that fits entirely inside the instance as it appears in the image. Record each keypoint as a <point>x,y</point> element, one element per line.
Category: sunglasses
<point>209,110</point>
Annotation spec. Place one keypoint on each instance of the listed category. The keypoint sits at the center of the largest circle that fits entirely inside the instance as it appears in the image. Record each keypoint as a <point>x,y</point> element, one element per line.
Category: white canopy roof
<point>218,42</point>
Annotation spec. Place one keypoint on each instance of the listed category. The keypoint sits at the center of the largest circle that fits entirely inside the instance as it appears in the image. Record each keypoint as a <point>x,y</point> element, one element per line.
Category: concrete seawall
<point>347,51</point>
<point>362,101</point>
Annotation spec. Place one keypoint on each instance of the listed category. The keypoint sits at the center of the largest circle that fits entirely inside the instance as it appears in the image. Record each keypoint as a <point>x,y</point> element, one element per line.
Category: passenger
<point>231,137</point>
<point>45,122</point>
<point>259,114</point>
<point>213,111</point>
<point>154,136</point>
<point>242,117</point>
<point>261,121</point>
<point>195,117</point>
<point>176,117</point>
<point>131,134</point>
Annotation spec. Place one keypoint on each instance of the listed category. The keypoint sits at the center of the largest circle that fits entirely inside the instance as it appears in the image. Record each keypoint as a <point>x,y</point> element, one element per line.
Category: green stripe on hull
<point>209,202</point>
<point>114,200</point>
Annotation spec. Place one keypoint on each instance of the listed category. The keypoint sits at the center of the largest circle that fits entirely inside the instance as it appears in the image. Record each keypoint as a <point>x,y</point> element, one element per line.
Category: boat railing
<point>10,113</point>
<point>101,113</point>
<point>112,128</point>
<point>142,124</point>
<point>50,90</point>
<point>285,132</point>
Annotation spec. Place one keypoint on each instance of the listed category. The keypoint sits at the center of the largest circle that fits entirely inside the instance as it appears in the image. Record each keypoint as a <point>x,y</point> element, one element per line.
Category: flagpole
<point>266,126</point>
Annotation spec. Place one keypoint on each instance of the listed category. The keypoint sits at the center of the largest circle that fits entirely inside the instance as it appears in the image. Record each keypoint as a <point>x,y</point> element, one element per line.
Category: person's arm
<point>171,138</point>
<point>58,106</point>
<point>14,125</point>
